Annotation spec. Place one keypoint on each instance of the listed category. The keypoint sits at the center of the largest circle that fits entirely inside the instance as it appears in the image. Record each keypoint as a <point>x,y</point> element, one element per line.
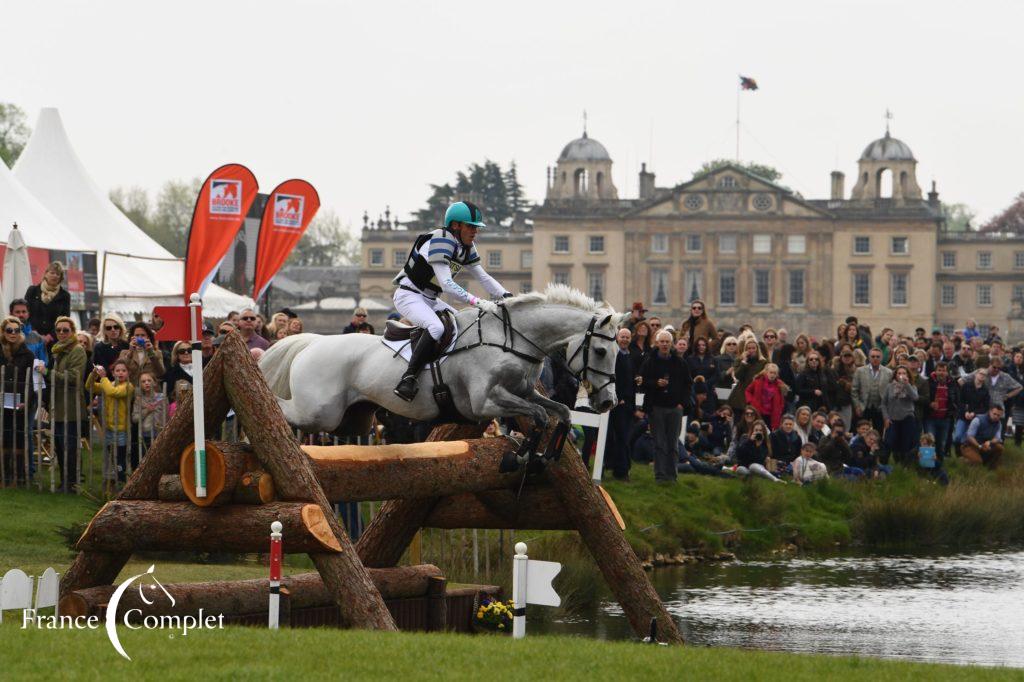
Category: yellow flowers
<point>494,614</point>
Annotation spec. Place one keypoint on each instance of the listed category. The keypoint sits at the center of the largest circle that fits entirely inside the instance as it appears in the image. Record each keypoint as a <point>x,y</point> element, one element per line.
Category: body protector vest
<point>437,246</point>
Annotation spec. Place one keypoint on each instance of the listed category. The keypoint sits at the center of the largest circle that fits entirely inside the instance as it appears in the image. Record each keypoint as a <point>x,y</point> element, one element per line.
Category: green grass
<point>258,654</point>
<point>706,515</point>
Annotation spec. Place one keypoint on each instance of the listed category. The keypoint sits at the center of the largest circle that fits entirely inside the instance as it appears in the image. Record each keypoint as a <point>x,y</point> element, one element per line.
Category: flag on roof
<point>747,83</point>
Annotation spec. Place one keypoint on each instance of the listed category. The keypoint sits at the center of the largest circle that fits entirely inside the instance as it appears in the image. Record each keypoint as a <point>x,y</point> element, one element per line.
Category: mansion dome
<point>584,149</point>
<point>886,148</point>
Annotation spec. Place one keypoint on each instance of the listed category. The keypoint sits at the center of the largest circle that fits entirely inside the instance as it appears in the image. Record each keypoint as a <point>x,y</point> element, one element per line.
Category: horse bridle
<point>584,348</point>
<point>508,342</point>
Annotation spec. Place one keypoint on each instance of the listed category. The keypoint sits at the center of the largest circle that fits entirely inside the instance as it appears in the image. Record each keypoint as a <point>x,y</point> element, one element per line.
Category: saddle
<point>397,331</point>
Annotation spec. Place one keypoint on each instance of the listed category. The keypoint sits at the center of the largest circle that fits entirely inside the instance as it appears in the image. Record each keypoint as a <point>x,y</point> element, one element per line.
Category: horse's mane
<point>560,294</point>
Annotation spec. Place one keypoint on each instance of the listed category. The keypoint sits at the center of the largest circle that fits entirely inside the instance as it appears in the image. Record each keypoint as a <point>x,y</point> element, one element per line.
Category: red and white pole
<point>198,412</point>
<point>275,573</point>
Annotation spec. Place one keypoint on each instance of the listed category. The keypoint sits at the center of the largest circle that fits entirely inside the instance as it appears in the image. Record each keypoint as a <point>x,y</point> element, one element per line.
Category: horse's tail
<point>276,363</point>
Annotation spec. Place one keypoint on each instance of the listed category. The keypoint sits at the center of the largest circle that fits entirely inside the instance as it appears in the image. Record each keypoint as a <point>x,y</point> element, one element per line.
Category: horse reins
<point>507,345</point>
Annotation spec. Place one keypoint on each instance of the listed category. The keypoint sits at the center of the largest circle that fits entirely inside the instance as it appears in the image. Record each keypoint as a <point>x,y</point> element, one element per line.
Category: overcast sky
<point>372,101</point>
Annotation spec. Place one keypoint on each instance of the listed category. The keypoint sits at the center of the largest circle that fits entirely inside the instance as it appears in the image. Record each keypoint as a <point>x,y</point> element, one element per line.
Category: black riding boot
<point>424,349</point>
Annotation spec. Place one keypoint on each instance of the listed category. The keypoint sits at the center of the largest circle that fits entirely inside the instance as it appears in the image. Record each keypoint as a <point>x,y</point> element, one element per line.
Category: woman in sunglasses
<point>17,365</point>
<point>112,342</point>
<point>697,325</point>
<point>64,374</point>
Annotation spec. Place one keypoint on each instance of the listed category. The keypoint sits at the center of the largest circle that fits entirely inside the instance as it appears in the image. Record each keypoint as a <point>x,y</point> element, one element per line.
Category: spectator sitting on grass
<point>834,451</point>
<point>718,430</point>
<point>806,469</point>
<point>786,441</point>
<point>865,453</point>
<point>753,452</point>
<point>694,452</point>
<point>974,400</point>
<point>984,444</point>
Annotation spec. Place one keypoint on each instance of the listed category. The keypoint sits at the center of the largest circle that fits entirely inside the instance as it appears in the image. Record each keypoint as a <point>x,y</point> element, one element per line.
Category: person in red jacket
<point>765,394</point>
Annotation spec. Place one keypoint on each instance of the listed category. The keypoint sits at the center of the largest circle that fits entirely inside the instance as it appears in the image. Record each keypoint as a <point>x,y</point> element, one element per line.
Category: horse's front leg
<point>553,406</point>
<point>503,403</point>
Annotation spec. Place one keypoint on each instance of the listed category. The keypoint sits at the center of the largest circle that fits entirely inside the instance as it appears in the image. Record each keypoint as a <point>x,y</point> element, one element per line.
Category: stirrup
<point>407,388</point>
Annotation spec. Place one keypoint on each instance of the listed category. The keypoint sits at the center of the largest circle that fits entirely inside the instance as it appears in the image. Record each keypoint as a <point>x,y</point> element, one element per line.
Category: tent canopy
<point>149,275</point>
<point>39,228</point>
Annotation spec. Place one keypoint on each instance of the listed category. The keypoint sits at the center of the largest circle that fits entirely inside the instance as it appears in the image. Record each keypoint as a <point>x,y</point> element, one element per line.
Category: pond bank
<point>704,517</point>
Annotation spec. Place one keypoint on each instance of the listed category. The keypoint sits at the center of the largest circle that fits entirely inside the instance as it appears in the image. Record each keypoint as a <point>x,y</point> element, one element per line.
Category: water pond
<point>966,608</point>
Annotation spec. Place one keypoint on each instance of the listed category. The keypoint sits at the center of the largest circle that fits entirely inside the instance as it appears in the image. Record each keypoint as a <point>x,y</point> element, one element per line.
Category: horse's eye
<point>601,351</point>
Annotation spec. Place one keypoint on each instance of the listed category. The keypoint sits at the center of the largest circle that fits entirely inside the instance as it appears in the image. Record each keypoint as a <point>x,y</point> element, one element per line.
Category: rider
<point>435,259</point>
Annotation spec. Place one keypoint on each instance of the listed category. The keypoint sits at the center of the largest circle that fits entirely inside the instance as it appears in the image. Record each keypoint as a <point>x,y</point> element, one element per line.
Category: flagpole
<point>739,88</point>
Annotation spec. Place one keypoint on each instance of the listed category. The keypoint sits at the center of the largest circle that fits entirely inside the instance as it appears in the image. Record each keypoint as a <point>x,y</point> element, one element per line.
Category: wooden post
<point>599,529</point>
<point>359,600</point>
<point>101,568</point>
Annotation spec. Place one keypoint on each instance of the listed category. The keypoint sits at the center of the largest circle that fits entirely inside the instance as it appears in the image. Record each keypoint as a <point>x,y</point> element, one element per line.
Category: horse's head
<point>592,360</point>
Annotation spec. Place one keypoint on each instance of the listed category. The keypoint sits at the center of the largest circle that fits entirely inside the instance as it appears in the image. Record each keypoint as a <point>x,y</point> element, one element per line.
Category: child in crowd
<point>806,469</point>
<point>149,411</point>
<point>117,398</point>
<point>181,388</point>
<point>929,460</point>
<point>865,452</point>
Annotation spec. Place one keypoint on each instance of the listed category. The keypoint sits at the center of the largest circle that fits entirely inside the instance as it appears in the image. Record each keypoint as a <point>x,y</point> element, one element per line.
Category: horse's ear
<point>605,321</point>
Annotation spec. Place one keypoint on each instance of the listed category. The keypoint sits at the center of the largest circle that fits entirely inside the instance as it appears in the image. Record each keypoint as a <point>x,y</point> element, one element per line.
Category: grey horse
<point>335,383</point>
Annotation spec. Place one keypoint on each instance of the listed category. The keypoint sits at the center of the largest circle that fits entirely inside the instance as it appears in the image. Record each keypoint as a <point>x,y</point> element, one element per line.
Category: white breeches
<point>421,311</point>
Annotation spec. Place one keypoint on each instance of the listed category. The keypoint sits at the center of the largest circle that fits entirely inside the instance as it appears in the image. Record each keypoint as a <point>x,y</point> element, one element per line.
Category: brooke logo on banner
<point>226,197</point>
<point>288,211</point>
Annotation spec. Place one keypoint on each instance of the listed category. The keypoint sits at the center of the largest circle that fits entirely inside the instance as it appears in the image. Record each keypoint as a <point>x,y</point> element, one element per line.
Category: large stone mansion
<point>754,250</point>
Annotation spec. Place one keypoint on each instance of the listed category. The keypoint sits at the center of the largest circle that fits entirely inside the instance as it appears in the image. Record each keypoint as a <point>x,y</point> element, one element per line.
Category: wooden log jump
<point>176,526</point>
<point>248,596</point>
<point>358,473</point>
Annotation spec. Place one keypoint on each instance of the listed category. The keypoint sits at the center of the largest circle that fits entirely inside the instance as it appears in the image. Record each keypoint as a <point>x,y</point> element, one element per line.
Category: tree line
<point>497,192</point>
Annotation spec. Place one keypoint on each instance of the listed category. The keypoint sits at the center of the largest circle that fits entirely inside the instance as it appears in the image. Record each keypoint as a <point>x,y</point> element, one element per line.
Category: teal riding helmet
<point>464,212</point>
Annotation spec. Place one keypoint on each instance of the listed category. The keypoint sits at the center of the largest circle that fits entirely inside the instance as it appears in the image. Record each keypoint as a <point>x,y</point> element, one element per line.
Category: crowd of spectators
<point>60,383</point>
<point>790,406</point>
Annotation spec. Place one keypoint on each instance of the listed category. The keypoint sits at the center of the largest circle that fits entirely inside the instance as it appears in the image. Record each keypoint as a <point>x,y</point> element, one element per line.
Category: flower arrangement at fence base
<point>494,615</point>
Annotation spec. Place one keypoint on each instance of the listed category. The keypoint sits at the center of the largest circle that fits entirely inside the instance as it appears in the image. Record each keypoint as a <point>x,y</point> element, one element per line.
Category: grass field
<point>257,654</point>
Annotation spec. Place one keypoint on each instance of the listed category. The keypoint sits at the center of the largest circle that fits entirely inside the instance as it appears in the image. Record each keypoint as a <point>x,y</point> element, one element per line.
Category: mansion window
<point>398,258</point>
<point>376,258</point>
<point>984,260</point>
<point>524,287</point>
<point>561,277</point>
<point>694,243</point>
<point>727,287</point>
<point>948,260</point>
<point>762,287</point>
<point>659,286</point>
<point>596,245</point>
<point>796,244</point>
<point>726,243</point>
<point>1018,293</point>
<point>659,243</point>
<point>900,246</point>
<point>796,288</point>
<point>1018,260</point>
<point>727,182</point>
<point>526,259</point>
<point>898,283</point>
<point>561,243</point>
<point>595,284</point>
<point>862,246</point>
<point>984,294</point>
<point>862,288</point>
<point>762,243</point>
<point>947,297</point>
<point>494,260</point>
<point>948,329</point>
<point>692,285</point>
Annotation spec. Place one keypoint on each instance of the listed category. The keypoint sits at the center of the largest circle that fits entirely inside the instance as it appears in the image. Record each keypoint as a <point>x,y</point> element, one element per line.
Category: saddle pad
<point>404,348</point>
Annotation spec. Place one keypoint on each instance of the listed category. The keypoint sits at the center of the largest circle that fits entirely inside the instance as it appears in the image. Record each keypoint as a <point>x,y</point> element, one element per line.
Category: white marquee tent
<point>131,281</point>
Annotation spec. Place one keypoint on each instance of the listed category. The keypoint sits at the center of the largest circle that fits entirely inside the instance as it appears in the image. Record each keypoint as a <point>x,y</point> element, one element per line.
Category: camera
<point>140,340</point>
<point>758,437</point>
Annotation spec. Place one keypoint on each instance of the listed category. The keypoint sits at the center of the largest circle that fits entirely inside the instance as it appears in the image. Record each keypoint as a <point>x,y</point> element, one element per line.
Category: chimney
<point>837,185</point>
<point>933,196</point>
<point>646,182</point>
